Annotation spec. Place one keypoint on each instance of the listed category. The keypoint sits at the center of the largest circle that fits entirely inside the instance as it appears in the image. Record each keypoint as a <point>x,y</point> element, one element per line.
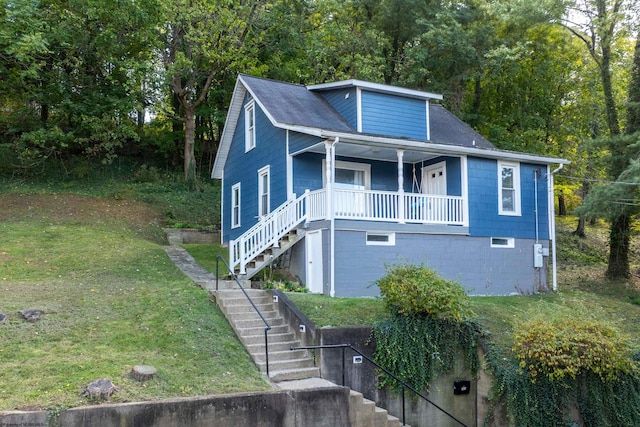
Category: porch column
<point>328,146</point>
<point>401,213</point>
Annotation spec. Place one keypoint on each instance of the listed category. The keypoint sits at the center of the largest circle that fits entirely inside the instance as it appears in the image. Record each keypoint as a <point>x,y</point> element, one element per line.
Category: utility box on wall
<point>538,260</point>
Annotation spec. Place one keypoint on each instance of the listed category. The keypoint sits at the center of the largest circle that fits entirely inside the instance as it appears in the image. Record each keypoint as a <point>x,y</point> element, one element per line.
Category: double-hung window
<point>263,191</point>
<point>509,188</point>
<point>235,206</point>
<point>249,126</point>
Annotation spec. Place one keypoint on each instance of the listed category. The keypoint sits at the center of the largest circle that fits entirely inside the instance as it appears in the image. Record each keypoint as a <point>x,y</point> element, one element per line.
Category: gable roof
<point>293,105</point>
<point>298,108</point>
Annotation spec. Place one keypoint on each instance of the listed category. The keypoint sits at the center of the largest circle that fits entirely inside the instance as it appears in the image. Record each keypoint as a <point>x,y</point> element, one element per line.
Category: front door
<point>434,179</point>
<point>313,249</point>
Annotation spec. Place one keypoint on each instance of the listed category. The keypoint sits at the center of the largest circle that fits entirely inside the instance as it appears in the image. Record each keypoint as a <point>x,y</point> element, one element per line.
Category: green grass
<point>327,311</point>
<point>206,256</point>
<point>111,299</point>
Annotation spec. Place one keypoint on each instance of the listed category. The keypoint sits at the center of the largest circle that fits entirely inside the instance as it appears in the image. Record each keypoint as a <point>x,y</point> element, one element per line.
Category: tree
<point>601,24</point>
<point>205,41</point>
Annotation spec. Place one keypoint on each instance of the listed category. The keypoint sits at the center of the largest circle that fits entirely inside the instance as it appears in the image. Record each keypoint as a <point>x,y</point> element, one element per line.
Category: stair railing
<point>267,326</point>
<point>267,232</point>
<point>402,382</point>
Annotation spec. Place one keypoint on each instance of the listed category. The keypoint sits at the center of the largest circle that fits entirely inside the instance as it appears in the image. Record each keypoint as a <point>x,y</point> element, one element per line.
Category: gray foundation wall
<point>471,261</point>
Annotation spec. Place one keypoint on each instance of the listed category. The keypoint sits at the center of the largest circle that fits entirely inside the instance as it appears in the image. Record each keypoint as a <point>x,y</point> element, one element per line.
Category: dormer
<point>373,108</point>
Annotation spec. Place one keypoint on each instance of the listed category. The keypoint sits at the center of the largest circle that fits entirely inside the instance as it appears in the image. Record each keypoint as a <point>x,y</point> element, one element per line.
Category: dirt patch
<point>79,210</point>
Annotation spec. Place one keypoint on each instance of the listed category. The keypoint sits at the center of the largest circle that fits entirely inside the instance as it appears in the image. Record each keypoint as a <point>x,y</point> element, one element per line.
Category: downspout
<point>332,230</point>
<point>552,226</point>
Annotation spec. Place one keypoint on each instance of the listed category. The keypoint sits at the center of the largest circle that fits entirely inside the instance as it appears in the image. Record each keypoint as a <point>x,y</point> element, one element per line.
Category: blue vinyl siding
<point>299,141</point>
<point>243,168</point>
<point>307,172</point>
<point>483,202</point>
<point>485,270</point>
<point>344,102</point>
<point>394,116</point>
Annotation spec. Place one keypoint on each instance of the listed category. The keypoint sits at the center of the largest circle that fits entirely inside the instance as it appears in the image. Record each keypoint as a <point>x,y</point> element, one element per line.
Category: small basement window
<point>381,239</point>
<point>503,242</point>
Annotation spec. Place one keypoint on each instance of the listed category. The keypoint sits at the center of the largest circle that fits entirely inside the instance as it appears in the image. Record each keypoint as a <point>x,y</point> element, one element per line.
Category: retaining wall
<point>326,407</point>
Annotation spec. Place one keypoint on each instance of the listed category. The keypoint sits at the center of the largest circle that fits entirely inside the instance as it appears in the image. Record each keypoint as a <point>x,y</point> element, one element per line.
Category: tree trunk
<point>619,248</point>
<point>581,229</point>
<point>562,206</point>
<point>189,145</point>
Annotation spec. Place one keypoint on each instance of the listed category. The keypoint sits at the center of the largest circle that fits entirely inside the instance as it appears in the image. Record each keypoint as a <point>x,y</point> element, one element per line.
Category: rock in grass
<point>31,315</point>
<point>143,372</point>
<point>3,317</point>
<point>100,389</point>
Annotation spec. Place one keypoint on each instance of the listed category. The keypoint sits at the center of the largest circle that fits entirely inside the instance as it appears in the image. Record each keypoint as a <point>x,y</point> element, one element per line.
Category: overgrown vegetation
<point>427,329</point>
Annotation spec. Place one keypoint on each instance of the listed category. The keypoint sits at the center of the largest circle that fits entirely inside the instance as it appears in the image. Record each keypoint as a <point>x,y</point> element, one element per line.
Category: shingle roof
<point>293,104</point>
<point>447,129</point>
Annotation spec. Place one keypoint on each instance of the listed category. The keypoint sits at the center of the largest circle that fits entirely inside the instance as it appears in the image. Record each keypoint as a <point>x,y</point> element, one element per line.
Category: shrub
<point>285,286</point>
<point>410,289</point>
<point>562,342</point>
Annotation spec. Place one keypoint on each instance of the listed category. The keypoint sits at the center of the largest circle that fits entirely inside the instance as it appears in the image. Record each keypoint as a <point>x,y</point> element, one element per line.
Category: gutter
<point>552,226</point>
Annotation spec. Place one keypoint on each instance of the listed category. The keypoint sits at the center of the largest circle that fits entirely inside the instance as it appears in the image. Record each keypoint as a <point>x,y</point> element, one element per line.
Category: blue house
<point>347,178</point>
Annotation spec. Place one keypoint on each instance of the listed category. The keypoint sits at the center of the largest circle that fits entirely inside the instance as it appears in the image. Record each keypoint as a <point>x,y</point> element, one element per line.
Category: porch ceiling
<point>380,153</point>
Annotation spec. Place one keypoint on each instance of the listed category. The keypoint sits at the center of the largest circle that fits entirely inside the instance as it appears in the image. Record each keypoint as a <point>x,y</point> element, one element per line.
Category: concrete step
<point>280,355</point>
<point>279,365</point>
<point>252,315</point>
<point>248,308</point>
<point>278,329</point>
<point>273,346</point>
<point>364,413</point>
<point>275,338</point>
<point>232,300</point>
<point>255,323</point>
<point>293,374</point>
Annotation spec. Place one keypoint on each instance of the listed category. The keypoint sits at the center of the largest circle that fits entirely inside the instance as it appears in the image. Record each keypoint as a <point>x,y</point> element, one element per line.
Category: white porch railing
<point>384,206</point>
<point>363,205</point>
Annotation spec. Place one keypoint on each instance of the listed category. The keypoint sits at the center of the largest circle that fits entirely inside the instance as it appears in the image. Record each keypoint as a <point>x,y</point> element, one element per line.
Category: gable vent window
<point>381,239</point>
<point>503,242</point>
<point>250,126</point>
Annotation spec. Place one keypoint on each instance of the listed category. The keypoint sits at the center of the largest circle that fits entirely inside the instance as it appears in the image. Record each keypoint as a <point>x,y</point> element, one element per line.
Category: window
<point>351,175</point>
<point>509,188</point>
<point>502,242</point>
<point>381,239</point>
<point>235,206</point>
<point>263,191</point>
<point>250,126</point>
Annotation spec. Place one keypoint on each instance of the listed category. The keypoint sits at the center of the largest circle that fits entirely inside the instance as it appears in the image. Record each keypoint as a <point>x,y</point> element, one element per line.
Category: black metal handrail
<point>404,384</point>
<point>267,327</point>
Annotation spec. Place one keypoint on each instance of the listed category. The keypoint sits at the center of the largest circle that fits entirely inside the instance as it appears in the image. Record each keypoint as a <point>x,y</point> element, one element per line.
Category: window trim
<point>516,189</point>
<point>249,131</point>
<point>391,241</point>
<point>235,203</point>
<point>264,172</point>
<point>510,242</point>
<point>355,166</point>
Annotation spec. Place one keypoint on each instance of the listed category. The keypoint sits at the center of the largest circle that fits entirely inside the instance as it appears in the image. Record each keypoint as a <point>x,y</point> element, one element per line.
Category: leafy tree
<point>204,42</point>
<point>600,25</point>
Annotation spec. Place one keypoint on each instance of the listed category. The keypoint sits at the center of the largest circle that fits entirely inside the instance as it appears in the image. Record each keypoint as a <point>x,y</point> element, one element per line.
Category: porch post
<point>328,146</point>
<point>401,202</point>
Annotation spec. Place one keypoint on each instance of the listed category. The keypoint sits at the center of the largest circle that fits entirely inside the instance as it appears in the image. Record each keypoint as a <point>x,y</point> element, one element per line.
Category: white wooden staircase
<point>270,254</point>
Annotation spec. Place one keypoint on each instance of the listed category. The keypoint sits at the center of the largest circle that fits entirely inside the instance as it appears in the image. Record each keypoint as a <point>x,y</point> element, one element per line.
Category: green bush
<point>410,289</point>
<point>563,342</point>
<point>285,286</point>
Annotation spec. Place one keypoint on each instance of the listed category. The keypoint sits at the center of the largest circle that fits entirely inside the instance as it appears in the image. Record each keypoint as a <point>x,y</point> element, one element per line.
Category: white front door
<point>434,179</point>
<point>313,249</point>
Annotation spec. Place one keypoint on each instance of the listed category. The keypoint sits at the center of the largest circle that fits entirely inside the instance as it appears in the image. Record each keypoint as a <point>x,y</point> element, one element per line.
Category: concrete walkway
<point>190,267</point>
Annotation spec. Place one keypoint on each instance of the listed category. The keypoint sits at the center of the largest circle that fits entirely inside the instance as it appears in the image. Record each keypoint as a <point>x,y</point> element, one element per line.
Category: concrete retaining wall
<point>326,407</point>
<point>469,408</point>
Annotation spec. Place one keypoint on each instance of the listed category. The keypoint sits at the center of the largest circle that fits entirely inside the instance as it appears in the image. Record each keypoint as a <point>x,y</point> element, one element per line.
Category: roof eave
<point>376,87</point>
